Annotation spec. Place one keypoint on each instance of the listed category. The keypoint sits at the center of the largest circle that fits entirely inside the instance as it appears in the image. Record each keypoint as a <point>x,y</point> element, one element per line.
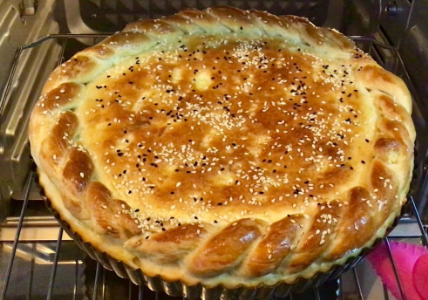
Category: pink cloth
<point>420,276</point>
<point>412,266</point>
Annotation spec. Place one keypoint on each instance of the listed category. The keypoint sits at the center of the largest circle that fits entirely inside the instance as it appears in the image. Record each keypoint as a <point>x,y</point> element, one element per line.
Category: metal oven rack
<point>64,262</point>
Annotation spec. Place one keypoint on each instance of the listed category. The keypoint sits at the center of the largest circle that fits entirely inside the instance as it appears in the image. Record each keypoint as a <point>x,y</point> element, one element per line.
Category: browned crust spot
<point>376,78</point>
<point>384,189</point>
<point>78,170</point>
<point>317,239</point>
<point>149,27</point>
<point>78,66</point>
<point>312,31</point>
<point>101,51</point>
<point>391,109</point>
<point>356,226</point>
<point>172,244</point>
<point>391,150</point>
<point>234,18</point>
<point>395,129</point>
<point>56,144</point>
<point>197,16</point>
<point>225,249</point>
<point>55,98</point>
<point>109,215</point>
<point>274,247</point>
<point>120,210</point>
<point>74,206</point>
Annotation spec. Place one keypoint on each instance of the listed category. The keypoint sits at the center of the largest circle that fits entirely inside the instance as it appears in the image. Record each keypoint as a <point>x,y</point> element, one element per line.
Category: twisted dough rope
<point>248,248</point>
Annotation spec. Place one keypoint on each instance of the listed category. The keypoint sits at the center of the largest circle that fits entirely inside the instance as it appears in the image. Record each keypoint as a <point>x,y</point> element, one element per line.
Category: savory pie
<point>225,147</point>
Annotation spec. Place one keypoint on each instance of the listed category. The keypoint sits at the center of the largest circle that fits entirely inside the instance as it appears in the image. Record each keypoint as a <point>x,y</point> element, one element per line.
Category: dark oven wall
<point>113,15</point>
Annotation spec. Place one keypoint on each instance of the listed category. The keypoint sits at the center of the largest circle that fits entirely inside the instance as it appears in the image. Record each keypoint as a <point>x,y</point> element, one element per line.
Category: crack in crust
<point>249,247</point>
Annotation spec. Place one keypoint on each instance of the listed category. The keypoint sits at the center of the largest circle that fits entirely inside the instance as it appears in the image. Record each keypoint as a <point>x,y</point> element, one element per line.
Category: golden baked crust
<point>225,146</point>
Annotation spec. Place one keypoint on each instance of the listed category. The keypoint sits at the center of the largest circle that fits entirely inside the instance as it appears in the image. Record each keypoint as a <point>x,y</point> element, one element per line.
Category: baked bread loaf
<point>225,147</point>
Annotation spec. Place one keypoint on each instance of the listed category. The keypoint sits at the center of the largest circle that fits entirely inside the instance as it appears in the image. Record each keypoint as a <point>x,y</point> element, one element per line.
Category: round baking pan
<point>178,288</point>
<point>114,288</point>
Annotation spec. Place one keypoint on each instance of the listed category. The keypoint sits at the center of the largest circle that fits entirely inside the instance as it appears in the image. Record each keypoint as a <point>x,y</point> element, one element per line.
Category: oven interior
<point>40,261</point>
